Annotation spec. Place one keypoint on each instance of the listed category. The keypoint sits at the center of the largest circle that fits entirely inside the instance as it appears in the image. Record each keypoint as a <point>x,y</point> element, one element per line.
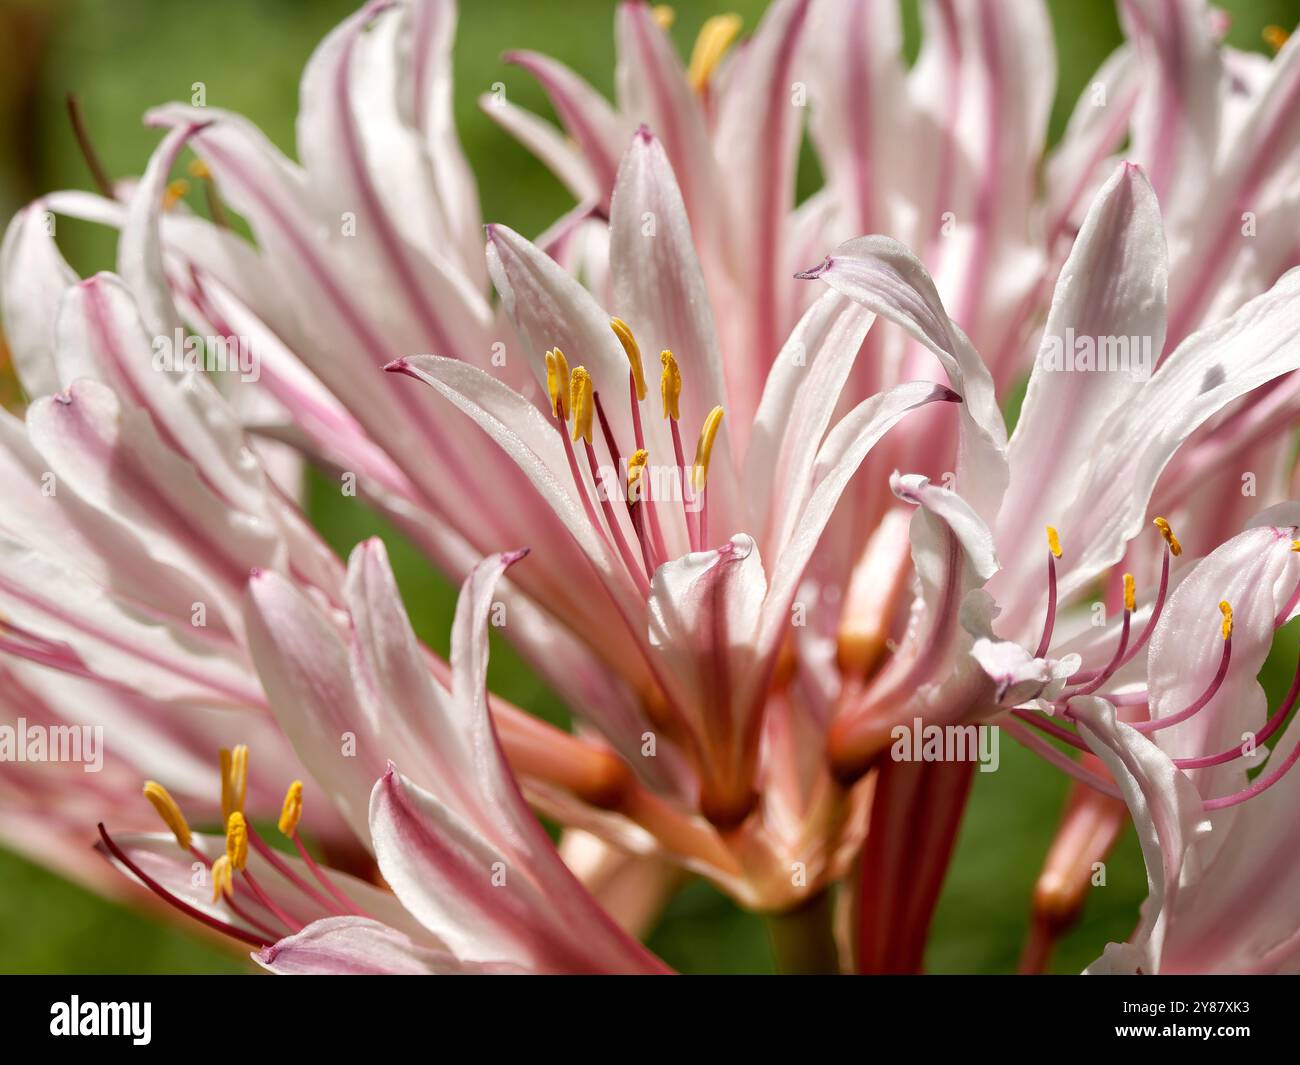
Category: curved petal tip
<point>816,271</point>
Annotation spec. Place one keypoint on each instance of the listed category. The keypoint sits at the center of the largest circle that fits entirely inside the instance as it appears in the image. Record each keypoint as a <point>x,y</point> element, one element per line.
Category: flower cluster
<point>854,544</point>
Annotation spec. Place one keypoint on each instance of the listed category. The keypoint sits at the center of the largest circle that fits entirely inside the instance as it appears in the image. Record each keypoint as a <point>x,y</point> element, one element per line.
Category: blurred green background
<point>124,56</point>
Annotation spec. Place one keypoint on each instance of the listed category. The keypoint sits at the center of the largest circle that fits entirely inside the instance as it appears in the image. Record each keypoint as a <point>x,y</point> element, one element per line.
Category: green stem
<point>802,938</point>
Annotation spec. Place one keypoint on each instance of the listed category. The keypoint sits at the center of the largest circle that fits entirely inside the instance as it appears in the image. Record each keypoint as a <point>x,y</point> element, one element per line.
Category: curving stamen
<point>1265,734</point>
<point>230,873</point>
<point>704,449</point>
<point>175,192</point>
<point>93,162</point>
<point>635,468</point>
<point>580,401</point>
<point>670,385</point>
<point>291,811</point>
<point>700,471</point>
<point>1172,547</point>
<point>1049,619</point>
<point>290,815</point>
<point>1258,786</point>
<point>670,391</point>
<point>170,812</point>
<point>223,879</point>
<point>1175,548</point>
<point>715,38</point>
<point>1108,671</point>
<point>1210,691</point>
<point>562,423</point>
<point>635,490</point>
<point>1050,727</point>
<point>633,351</point>
<point>585,404</point>
<point>172,900</point>
<point>557,383</point>
<point>636,386</point>
<point>237,841</point>
<point>1060,759</point>
<point>1292,600</point>
<point>221,870</point>
<point>200,171</point>
<point>1054,542</point>
<point>1275,37</point>
<point>1156,610</point>
<point>237,858</point>
<point>234,779</point>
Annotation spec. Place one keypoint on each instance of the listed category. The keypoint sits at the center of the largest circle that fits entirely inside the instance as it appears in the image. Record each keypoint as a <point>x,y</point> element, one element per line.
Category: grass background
<point>123,56</point>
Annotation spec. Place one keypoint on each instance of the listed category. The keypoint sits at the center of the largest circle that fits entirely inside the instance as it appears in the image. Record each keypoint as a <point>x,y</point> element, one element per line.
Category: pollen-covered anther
<point>581,403</point>
<point>237,841</point>
<point>670,385</point>
<point>715,38</point>
<point>176,191</point>
<point>234,779</point>
<point>1054,541</point>
<point>1130,592</point>
<point>635,468</point>
<point>1226,610</point>
<point>1275,37</point>
<point>291,812</point>
<point>633,351</point>
<point>558,382</point>
<point>704,448</point>
<point>1175,548</point>
<point>223,879</point>
<point>169,811</point>
<point>664,16</point>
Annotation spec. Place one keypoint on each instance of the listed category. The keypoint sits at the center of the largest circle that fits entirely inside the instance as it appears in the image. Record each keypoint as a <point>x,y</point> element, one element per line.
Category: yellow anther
<point>629,343</point>
<point>291,812</point>
<point>557,382</point>
<point>1275,37</point>
<point>716,36</point>
<point>1130,592</point>
<point>1054,542</point>
<point>169,812</point>
<point>199,169</point>
<point>664,16</point>
<point>1226,611</point>
<point>704,449</point>
<point>234,779</point>
<point>223,879</point>
<point>176,191</point>
<point>636,467</point>
<point>1295,545</point>
<point>1175,548</point>
<point>581,401</point>
<point>670,385</point>
<point>237,840</point>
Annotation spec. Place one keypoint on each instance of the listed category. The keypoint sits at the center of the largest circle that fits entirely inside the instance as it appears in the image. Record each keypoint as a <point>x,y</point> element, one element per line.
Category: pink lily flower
<point>136,509</point>
<point>675,633</point>
<point>970,550</point>
<point>1186,744</point>
<point>477,885</point>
